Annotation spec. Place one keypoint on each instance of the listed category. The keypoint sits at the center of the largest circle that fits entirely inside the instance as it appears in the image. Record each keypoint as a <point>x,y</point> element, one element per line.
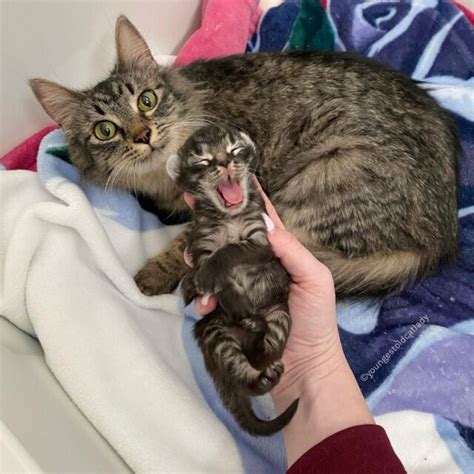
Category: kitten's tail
<point>241,408</point>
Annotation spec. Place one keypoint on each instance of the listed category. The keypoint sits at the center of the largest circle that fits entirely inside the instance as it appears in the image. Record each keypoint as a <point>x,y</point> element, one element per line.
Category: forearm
<point>330,401</point>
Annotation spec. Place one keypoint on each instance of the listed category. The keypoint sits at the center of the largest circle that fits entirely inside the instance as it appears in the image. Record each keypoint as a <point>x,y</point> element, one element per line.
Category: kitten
<point>359,162</point>
<point>243,340</point>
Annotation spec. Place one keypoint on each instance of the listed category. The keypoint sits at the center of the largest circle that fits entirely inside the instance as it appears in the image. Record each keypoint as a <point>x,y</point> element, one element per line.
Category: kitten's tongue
<point>231,192</point>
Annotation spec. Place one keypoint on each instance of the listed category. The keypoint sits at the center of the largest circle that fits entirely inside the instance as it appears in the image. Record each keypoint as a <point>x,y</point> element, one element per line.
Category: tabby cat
<point>242,341</point>
<point>359,161</point>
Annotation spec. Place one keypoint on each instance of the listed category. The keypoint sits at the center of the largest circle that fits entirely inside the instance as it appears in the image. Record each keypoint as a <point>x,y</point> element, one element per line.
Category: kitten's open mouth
<point>230,193</point>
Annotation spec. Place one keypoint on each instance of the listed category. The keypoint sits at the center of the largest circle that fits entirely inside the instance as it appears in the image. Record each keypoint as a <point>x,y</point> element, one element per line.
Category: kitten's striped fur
<point>243,340</point>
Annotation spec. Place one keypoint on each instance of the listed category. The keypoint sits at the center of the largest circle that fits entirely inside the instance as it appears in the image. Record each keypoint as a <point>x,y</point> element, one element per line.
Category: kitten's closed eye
<point>204,162</point>
<point>237,150</point>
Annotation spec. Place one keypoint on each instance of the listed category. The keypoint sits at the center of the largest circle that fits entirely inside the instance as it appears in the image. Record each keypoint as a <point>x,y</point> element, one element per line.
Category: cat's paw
<point>267,379</point>
<point>188,288</point>
<point>252,344</point>
<point>272,349</point>
<point>208,281</point>
<point>254,324</point>
<point>153,279</point>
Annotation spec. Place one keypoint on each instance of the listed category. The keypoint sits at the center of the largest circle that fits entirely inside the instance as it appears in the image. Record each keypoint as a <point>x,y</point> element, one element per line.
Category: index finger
<point>189,200</point>
<point>271,211</point>
<point>205,305</point>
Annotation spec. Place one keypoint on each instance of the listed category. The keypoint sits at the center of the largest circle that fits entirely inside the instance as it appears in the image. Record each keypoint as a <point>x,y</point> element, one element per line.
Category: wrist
<point>330,401</point>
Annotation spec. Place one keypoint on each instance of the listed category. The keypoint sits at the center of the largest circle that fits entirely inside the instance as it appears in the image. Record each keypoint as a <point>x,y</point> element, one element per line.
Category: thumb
<point>298,261</point>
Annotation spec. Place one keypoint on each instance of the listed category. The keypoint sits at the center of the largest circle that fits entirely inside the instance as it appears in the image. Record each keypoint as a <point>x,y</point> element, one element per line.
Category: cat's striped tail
<point>376,273</point>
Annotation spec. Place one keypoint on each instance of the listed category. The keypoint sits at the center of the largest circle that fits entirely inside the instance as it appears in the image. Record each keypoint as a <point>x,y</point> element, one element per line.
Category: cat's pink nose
<point>231,170</point>
<point>142,135</point>
<point>223,171</point>
<point>227,171</point>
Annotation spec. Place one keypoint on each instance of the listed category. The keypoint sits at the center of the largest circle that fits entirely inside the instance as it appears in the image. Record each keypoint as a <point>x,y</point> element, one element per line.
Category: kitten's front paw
<point>153,279</point>
<point>207,281</point>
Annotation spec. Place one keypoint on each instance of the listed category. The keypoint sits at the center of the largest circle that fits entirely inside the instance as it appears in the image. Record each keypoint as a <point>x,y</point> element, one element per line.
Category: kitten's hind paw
<point>268,379</point>
<point>253,342</point>
<point>254,324</point>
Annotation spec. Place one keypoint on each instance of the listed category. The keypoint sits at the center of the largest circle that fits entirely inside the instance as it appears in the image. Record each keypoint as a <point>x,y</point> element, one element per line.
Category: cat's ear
<point>131,47</point>
<point>247,140</point>
<point>172,167</point>
<point>59,102</point>
<point>253,163</point>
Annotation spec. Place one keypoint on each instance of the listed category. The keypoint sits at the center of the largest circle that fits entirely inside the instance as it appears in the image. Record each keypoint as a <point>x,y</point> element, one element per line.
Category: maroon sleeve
<point>362,449</point>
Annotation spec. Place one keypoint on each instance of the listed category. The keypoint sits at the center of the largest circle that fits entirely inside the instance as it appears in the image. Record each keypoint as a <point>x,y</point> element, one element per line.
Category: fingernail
<point>268,222</point>
<point>205,299</point>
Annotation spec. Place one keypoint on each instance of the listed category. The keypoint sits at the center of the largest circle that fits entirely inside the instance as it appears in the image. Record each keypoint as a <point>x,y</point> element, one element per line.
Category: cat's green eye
<point>147,101</point>
<point>105,130</point>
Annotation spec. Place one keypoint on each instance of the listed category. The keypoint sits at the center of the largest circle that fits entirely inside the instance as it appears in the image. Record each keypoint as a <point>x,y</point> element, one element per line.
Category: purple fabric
<point>433,367</point>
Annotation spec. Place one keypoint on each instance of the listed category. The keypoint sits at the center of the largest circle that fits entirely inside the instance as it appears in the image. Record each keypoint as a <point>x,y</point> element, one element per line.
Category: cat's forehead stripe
<point>98,109</point>
<point>102,98</point>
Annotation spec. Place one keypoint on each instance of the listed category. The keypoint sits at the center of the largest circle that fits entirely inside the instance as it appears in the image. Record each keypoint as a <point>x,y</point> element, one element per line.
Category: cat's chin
<point>154,162</point>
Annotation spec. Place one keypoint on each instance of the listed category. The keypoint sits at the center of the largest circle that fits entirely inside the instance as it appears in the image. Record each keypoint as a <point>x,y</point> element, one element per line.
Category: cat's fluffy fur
<point>359,162</point>
<point>242,341</point>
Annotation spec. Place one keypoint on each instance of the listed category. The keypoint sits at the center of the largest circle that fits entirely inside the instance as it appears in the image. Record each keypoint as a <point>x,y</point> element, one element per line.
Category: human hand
<point>313,349</point>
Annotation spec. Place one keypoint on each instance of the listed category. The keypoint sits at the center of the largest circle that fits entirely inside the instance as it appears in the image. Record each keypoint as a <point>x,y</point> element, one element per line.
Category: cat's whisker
<point>114,175</point>
<point>129,176</point>
<point>135,173</point>
<point>188,124</point>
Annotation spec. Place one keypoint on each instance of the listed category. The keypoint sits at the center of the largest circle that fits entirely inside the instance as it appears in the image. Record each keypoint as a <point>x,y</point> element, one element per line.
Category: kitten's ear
<point>172,167</point>
<point>253,163</point>
<point>247,140</point>
<point>58,101</point>
<point>131,47</point>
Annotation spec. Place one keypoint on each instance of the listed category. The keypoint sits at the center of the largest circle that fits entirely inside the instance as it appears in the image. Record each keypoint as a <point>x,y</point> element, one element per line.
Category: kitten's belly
<point>263,285</point>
